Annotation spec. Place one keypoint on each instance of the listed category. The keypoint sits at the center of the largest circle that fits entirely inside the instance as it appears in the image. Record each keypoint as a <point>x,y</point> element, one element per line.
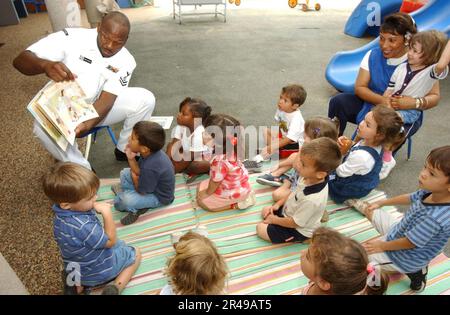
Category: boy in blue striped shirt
<point>410,244</point>
<point>91,253</point>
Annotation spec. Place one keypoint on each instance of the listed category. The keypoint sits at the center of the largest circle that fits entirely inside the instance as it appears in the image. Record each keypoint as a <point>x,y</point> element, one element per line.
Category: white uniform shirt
<point>77,49</point>
<point>358,162</point>
<point>191,142</point>
<point>292,125</point>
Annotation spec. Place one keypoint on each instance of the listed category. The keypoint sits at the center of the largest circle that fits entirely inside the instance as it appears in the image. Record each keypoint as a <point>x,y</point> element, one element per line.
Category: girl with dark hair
<point>228,186</point>
<point>186,149</point>
<point>338,265</point>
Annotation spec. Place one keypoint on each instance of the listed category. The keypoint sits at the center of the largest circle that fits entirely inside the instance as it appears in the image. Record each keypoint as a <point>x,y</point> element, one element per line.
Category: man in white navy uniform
<point>101,64</point>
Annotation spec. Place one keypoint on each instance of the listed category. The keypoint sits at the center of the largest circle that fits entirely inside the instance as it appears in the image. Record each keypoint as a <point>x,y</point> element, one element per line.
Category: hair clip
<point>370,268</point>
<point>316,131</point>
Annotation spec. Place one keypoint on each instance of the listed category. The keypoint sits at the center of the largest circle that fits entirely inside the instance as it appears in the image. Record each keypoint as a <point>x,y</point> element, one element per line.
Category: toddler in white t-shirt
<point>291,126</point>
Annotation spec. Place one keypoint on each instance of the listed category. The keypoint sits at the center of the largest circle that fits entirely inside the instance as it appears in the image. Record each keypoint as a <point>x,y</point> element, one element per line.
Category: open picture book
<point>59,107</point>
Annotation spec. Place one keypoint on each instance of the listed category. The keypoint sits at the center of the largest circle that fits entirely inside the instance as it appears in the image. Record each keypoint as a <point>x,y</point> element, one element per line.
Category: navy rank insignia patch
<point>124,80</point>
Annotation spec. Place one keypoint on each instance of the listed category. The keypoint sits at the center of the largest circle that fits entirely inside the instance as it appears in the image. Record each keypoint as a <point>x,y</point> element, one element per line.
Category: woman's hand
<point>399,102</point>
<point>386,101</point>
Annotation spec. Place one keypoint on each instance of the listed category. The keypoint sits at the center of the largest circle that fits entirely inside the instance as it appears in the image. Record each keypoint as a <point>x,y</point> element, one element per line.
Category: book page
<point>63,105</point>
<point>164,121</point>
<point>48,127</point>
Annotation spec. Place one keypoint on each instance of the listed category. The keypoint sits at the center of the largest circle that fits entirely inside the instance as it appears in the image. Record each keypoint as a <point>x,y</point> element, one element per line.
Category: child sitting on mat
<point>338,265</point>
<point>196,269</point>
<point>291,126</point>
<point>150,182</point>
<point>228,186</point>
<point>186,150</point>
<point>88,249</point>
<point>410,244</point>
<point>315,128</point>
<point>359,172</point>
<point>295,218</point>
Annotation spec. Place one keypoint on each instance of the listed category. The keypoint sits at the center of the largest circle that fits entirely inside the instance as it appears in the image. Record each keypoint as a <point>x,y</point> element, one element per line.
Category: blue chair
<point>93,134</point>
<point>36,3</point>
<point>411,130</point>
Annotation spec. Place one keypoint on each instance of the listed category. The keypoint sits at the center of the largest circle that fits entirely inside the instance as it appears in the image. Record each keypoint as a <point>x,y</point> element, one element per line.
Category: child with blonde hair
<point>338,265</point>
<point>228,186</point>
<point>196,269</point>
<point>428,59</point>
<point>93,250</point>
<point>359,172</point>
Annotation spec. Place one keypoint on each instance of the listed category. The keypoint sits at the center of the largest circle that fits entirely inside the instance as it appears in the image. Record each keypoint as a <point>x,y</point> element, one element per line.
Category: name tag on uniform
<point>85,59</point>
<point>113,69</point>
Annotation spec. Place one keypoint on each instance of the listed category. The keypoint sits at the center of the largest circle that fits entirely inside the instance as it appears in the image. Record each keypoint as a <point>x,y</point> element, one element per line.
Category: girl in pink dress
<point>228,186</point>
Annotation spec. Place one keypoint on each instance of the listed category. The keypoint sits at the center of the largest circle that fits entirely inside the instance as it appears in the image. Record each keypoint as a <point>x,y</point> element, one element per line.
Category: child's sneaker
<point>131,217</point>
<point>248,202</point>
<point>252,166</point>
<point>116,188</point>
<point>418,279</point>
<point>269,179</point>
<point>387,168</point>
<point>258,158</point>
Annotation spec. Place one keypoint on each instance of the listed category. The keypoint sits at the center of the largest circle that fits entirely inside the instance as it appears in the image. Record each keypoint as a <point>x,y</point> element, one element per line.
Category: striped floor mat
<point>256,266</point>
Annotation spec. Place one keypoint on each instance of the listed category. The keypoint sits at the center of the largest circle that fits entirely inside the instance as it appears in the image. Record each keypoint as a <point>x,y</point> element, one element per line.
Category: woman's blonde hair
<point>342,262</point>
<point>197,268</point>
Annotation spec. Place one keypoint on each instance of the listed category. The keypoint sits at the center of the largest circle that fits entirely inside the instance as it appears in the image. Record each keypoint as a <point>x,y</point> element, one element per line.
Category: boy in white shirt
<point>291,125</point>
<point>294,218</point>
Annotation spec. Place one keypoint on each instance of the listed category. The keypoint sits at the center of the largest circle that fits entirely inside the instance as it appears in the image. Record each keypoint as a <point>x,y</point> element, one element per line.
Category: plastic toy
<point>305,6</point>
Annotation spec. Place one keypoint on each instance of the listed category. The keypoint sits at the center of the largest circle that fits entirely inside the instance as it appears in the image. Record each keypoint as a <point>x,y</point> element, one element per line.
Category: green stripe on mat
<point>256,266</point>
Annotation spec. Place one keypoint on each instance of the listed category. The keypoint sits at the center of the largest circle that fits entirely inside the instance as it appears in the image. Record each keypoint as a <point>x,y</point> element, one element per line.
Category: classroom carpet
<point>256,267</point>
